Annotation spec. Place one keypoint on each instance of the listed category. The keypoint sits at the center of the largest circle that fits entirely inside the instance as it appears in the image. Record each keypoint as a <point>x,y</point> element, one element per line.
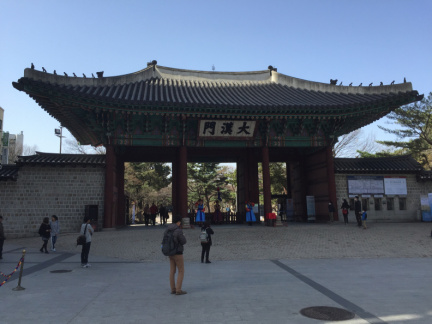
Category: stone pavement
<point>258,275</point>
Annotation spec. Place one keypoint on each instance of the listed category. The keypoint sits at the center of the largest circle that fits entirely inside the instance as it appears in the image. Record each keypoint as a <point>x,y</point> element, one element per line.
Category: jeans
<point>85,253</point>
<point>53,241</point>
<point>176,262</point>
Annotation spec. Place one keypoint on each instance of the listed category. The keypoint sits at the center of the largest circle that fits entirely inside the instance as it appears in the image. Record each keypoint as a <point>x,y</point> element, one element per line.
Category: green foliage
<point>416,123</point>
<point>203,181</point>
<point>143,179</point>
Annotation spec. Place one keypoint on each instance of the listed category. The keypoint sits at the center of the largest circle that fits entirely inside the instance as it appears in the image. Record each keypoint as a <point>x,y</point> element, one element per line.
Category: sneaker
<point>181,292</point>
<point>53,250</point>
<point>83,265</point>
<point>88,265</point>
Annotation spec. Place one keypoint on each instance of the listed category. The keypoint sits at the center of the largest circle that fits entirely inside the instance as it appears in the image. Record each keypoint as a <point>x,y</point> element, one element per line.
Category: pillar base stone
<point>186,223</point>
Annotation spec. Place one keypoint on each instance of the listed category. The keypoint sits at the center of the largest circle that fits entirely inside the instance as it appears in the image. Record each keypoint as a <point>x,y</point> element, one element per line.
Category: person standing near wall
<point>331,211</point>
<point>55,230</point>
<point>205,246</point>
<point>345,208</point>
<point>357,210</point>
<point>2,237</point>
<point>44,232</point>
<point>87,230</point>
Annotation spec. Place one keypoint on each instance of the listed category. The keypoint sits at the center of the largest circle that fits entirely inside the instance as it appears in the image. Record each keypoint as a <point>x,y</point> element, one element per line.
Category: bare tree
<point>349,144</point>
<point>29,150</point>
<point>15,150</point>
<point>74,147</point>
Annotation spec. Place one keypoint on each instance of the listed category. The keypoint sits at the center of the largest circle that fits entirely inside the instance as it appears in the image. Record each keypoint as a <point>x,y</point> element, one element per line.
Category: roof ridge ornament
<point>271,68</point>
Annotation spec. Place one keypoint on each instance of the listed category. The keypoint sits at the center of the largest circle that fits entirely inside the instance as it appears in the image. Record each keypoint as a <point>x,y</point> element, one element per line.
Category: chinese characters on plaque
<point>226,128</point>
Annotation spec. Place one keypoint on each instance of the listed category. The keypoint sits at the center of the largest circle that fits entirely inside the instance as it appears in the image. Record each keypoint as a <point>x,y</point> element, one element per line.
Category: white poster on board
<point>395,186</point>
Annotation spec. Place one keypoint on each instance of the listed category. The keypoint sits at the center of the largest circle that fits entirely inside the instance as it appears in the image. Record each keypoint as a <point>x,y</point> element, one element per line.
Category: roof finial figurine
<point>74,74</point>
<point>333,82</point>
<point>55,73</point>
<point>370,84</point>
<point>93,75</point>
<point>84,76</point>
<point>381,84</point>
<point>340,83</point>
<point>392,82</point>
<point>213,67</point>
<point>360,84</point>
<point>100,74</point>
<point>404,80</point>
<point>350,84</point>
<point>65,74</point>
<point>32,66</point>
<point>43,69</point>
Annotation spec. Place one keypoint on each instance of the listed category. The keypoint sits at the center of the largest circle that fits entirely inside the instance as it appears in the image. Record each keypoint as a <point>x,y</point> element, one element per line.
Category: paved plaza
<point>258,275</point>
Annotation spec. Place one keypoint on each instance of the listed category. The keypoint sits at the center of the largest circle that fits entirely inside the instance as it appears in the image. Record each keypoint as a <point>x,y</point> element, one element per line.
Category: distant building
<point>1,134</point>
<point>12,147</point>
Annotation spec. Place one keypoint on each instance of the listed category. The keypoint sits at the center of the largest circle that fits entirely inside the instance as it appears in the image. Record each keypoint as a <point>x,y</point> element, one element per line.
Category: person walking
<point>331,211</point>
<point>44,232</point>
<point>146,214</point>
<point>357,210</point>
<point>153,211</point>
<point>55,230</point>
<point>205,246</point>
<point>177,261</point>
<point>2,237</point>
<point>162,212</point>
<point>87,230</point>
<point>345,208</point>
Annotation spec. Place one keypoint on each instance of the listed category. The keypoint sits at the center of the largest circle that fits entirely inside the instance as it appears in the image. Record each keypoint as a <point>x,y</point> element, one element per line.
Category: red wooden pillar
<point>331,181</point>
<point>110,192</point>
<point>121,210</point>
<point>253,189</point>
<point>182,197</point>
<point>174,188</point>
<point>266,181</point>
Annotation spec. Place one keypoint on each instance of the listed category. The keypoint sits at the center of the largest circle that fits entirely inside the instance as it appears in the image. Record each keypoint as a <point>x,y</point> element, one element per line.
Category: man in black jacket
<point>357,208</point>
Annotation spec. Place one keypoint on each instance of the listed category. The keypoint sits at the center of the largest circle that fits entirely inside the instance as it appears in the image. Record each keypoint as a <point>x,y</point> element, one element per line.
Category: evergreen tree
<point>416,123</point>
<point>203,181</point>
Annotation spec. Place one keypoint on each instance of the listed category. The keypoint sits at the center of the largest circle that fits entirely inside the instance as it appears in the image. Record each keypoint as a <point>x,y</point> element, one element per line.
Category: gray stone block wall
<point>44,191</point>
<point>414,190</point>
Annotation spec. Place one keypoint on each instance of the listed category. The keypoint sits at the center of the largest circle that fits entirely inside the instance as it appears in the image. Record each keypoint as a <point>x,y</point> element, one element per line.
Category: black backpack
<point>169,247</point>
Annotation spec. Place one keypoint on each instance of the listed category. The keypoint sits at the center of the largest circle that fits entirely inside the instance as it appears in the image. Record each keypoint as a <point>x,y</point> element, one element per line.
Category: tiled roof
<point>62,159</point>
<point>261,93</point>
<point>9,172</point>
<point>425,176</point>
<point>399,164</point>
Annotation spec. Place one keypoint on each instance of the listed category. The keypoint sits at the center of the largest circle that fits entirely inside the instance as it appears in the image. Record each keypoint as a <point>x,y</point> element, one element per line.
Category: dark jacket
<point>45,231</point>
<point>345,205</point>
<point>209,233</point>
<point>179,237</point>
<point>357,206</point>
<point>2,237</point>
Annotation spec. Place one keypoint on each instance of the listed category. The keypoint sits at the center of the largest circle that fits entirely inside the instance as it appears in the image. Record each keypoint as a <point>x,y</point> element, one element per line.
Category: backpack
<point>81,239</point>
<point>204,238</point>
<point>169,247</point>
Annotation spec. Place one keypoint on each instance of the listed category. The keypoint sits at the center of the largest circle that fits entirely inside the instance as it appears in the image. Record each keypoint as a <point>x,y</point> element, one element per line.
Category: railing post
<point>17,288</point>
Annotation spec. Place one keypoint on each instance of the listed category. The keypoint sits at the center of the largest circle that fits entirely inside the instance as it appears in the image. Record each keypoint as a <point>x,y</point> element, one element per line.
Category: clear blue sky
<point>352,41</point>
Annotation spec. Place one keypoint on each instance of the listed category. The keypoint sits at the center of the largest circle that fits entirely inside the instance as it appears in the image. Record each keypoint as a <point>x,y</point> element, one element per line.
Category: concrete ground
<point>258,275</point>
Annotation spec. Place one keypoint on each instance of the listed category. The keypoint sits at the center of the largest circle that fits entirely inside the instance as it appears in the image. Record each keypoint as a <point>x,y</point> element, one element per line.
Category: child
<point>55,229</point>
<point>364,217</point>
<point>45,233</point>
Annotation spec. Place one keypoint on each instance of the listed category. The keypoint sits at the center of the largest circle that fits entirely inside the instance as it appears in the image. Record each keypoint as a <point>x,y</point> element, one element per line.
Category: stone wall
<point>44,191</point>
<point>412,213</point>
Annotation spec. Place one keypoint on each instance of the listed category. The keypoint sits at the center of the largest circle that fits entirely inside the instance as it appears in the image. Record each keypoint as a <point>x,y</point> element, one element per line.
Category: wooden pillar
<point>182,197</point>
<point>110,192</point>
<point>252,164</point>
<point>121,209</point>
<point>331,181</point>
<point>174,187</point>
<point>266,181</point>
